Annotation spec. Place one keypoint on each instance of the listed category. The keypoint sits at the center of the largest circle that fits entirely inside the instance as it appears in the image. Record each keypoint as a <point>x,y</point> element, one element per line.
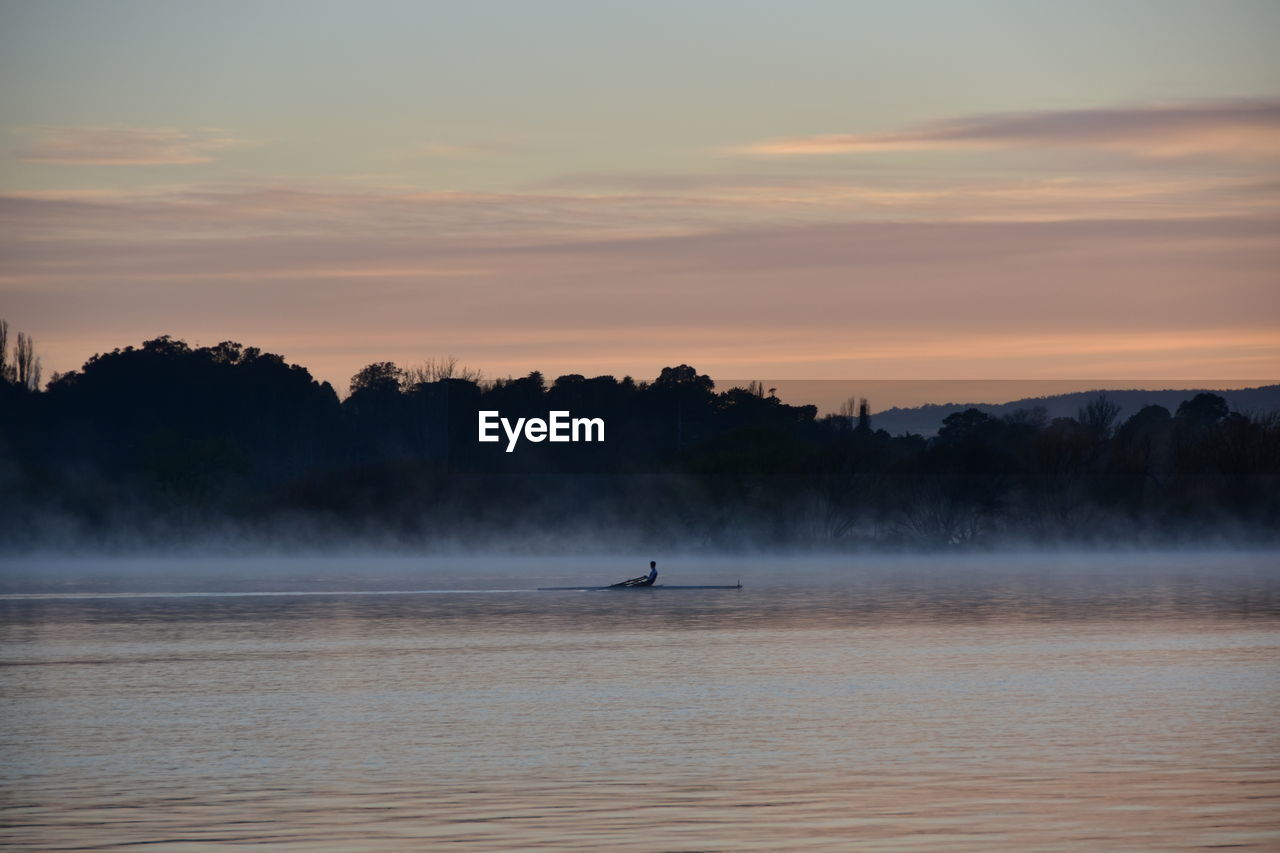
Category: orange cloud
<point>1233,128</point>
<point>116,145</point>
<point>737,278</point>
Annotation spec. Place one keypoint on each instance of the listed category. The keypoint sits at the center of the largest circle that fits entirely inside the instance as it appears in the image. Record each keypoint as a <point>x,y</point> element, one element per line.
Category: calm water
<point>1037,704</point>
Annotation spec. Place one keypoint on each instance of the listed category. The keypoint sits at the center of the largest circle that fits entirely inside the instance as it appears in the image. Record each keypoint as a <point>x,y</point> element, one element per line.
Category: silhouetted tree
<point>684,378</point>
<point>25,369</point>
<point>965,425</point>
<point>864,417</point>
<point>1099,416</point>
<point>6,370</point>
<point>1035,417</point>
<point>1142,459</point>
<point>437,369</point>
<point>379,376</point>
<point>191,435</point>
<point>1203,410</point>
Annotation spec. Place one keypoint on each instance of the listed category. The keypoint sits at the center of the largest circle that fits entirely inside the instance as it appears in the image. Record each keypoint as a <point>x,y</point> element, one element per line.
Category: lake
<point>1020,702</point>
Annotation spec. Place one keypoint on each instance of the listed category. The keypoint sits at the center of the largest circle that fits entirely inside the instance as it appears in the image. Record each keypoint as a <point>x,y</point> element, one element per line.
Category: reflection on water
<point>1019,708</point>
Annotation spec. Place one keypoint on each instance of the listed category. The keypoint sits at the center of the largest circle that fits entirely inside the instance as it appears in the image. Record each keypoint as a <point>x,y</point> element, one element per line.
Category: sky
<point>800,190</point>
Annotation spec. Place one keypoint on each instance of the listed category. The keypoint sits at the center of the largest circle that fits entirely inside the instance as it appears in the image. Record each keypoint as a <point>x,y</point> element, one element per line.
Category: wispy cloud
<point>117,145</point>
<point>619,209</point>
<point>826,281</point>
<point>821,300</point>
<point>1235,128</point>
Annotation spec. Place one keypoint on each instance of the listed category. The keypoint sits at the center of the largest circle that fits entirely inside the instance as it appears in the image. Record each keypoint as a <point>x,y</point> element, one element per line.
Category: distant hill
<point>926,420</point>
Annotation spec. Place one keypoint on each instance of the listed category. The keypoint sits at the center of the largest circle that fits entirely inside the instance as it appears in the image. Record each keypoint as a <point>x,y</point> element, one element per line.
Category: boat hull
<point>654,586</point>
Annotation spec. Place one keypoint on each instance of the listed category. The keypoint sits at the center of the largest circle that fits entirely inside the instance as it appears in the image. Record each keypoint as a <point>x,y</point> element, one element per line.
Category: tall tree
<point>6,370</point>
<point>26,363</point>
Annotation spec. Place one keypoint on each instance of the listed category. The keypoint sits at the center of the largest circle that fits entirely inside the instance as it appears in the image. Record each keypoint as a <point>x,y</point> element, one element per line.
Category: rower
<point>643,580</point>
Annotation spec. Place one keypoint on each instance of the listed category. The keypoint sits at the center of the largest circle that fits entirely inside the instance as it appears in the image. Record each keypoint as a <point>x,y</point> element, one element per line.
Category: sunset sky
<point>808,190</point>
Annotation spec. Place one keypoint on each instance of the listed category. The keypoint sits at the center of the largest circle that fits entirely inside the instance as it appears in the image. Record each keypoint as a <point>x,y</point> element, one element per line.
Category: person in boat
<point>643,580</point>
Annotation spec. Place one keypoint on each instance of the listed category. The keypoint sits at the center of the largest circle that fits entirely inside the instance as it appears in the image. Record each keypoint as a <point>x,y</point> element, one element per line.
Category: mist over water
<point>1014,580</point>
<point>1030,701</point>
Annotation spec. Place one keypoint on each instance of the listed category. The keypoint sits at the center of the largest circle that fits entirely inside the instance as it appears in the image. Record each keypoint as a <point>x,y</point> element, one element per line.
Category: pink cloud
<point>738,279</point>
<point>117,145</point>
<point>1234,128</point>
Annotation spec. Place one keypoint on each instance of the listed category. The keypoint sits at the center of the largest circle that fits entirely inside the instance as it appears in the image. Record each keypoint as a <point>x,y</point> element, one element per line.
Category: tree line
<point>166,444</point>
